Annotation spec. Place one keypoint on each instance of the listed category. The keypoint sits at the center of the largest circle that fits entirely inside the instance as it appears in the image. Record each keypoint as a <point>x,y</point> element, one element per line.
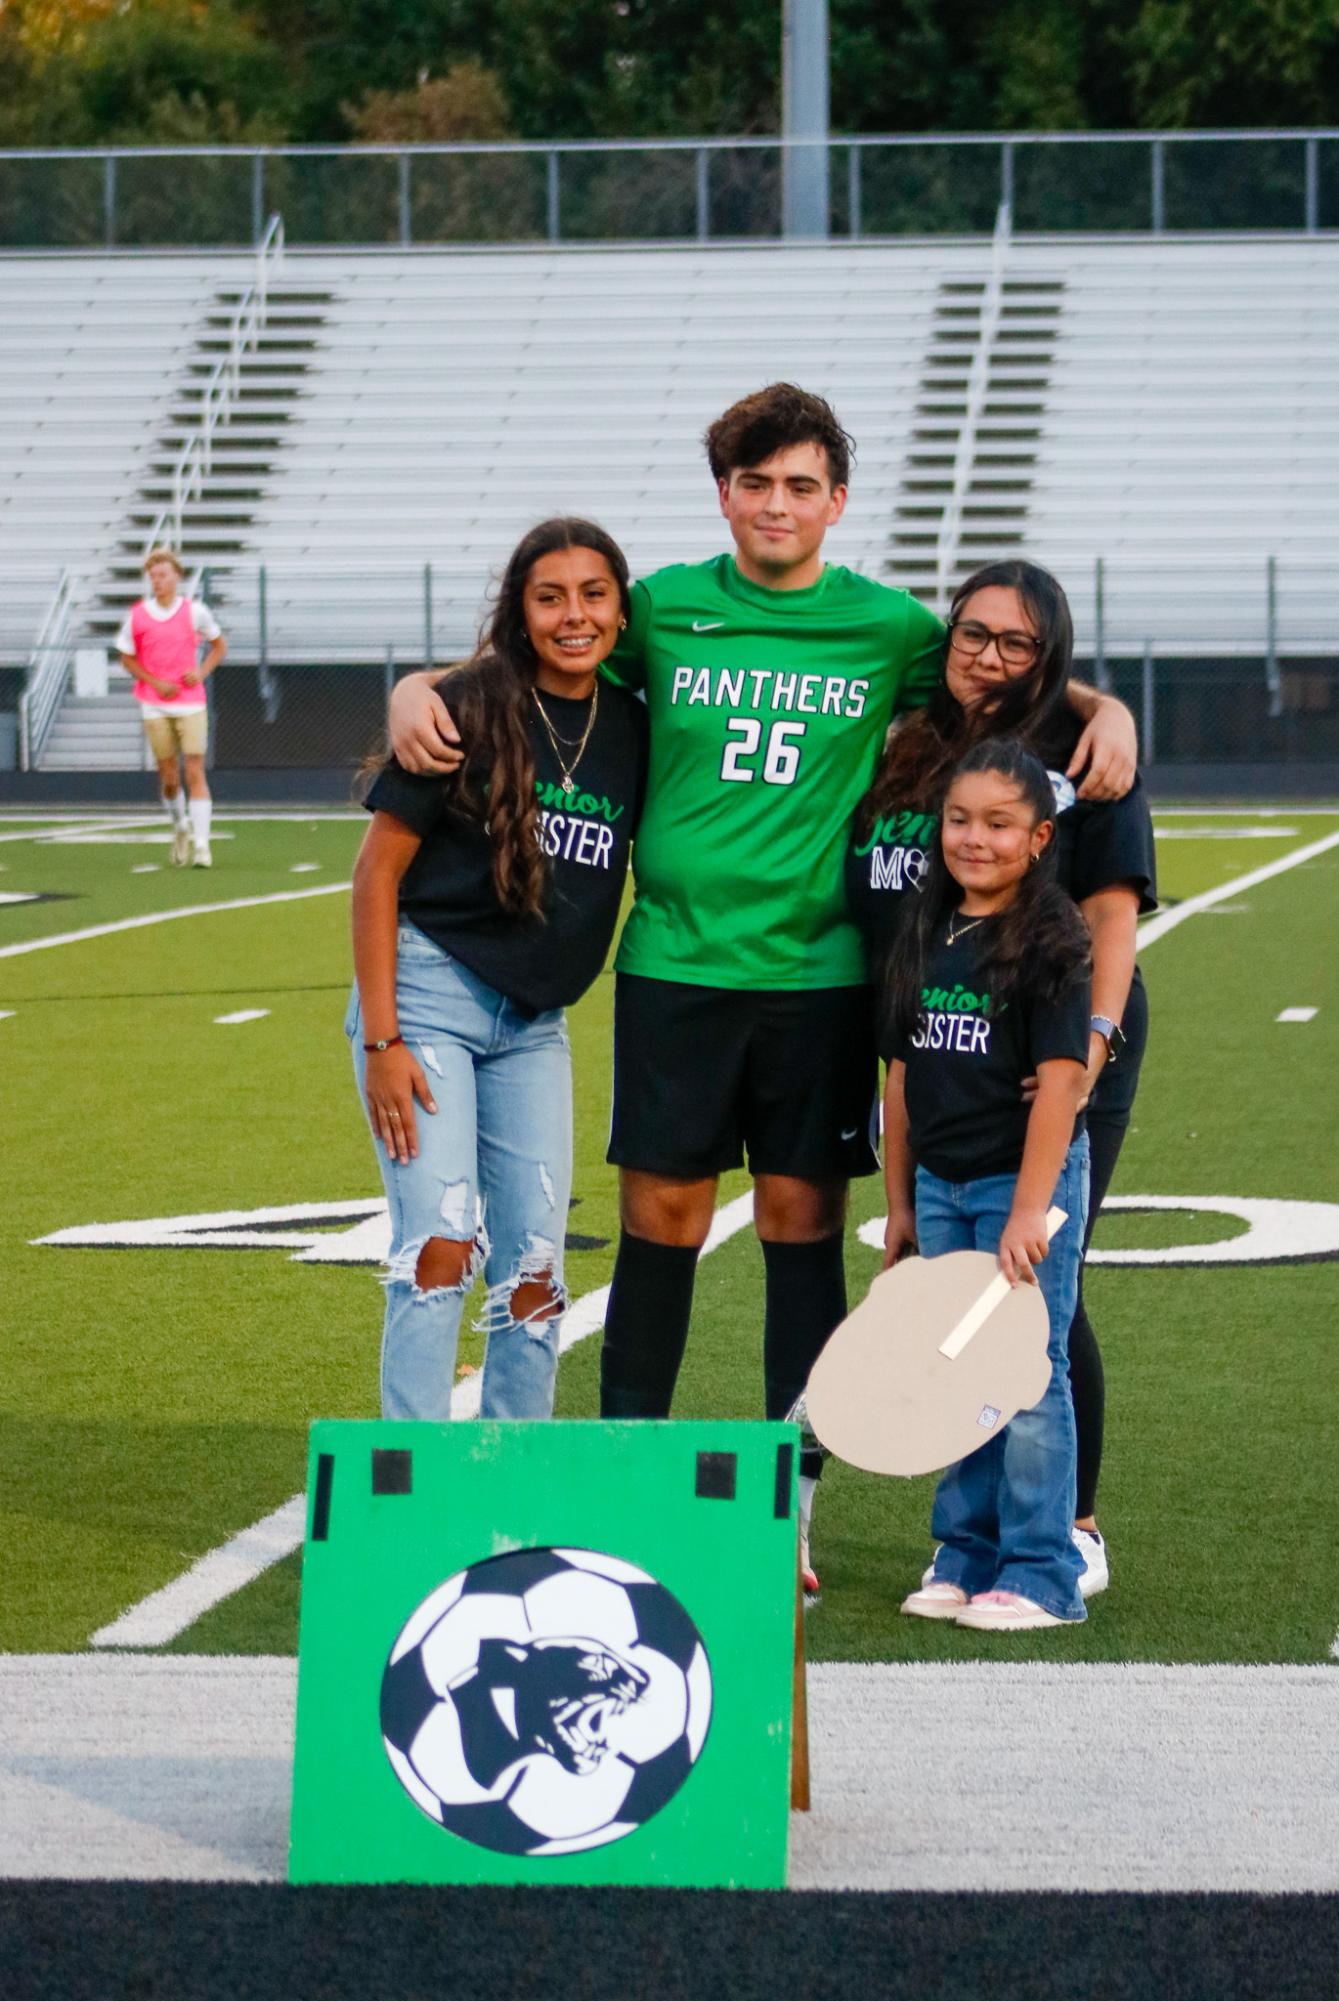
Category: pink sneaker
<point>1005,1612</point>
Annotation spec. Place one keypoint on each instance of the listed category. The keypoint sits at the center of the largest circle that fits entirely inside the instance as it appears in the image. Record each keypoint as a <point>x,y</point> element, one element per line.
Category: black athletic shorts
<point>703,1073</point>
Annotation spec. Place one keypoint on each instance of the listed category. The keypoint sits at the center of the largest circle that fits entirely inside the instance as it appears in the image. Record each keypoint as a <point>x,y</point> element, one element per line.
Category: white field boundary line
<point>1310,810</point>
<point>165,1613</point>
<point>46,831</point>
<point>44,823</point>
<point>238,1562</point>
<point>170,917</point>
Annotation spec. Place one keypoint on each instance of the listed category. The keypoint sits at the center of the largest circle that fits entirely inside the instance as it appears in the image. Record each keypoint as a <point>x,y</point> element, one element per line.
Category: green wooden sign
<point>546,1653</point>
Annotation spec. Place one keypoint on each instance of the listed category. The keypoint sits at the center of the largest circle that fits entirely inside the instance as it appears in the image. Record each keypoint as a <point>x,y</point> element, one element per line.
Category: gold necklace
<point>568,783</point>
<point>953,936</point>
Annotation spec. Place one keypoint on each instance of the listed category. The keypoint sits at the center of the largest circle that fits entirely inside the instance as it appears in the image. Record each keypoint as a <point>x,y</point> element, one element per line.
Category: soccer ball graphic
<point>546,1701</point>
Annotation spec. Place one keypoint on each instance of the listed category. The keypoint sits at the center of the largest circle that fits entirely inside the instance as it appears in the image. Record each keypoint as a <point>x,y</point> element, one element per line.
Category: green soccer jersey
<point>768,712</point>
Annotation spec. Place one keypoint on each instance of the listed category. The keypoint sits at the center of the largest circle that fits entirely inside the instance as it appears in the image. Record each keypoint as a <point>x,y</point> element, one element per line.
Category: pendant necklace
<point>963,929</point>
<point>568,782</point>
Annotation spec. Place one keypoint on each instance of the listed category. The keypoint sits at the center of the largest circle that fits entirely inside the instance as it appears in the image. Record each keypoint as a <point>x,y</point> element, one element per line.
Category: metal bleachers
<point>1155,418</point>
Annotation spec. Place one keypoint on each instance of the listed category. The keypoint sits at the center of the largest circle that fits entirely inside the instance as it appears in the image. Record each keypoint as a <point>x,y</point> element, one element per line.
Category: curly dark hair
<point>771,420</point>
<point>490,698</point>
<point>1042,942</point>
<point>914,770</point>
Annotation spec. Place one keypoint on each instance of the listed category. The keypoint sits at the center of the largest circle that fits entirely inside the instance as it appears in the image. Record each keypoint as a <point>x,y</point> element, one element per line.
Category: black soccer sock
<point>806,1299</point>
<point>646,1327</point>
<point>1087,1385</point>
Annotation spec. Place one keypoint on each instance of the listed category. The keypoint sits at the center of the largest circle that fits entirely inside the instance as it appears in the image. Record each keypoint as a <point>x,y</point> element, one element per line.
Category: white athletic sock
<point>200,812</point>
<point>175,808</point>
<point>808,1488</point>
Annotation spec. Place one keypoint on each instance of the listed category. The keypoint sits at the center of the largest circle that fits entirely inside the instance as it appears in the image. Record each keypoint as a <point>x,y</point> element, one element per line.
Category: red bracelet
<point>389,1043</point>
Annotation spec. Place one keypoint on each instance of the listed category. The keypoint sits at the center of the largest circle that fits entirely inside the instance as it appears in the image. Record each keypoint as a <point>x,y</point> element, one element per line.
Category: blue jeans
<point>1004,1515</point>
<point>494,1168</point>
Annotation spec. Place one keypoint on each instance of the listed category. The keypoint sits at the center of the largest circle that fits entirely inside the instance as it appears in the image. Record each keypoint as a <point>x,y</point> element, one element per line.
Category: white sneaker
<point>202,857</point>
<point>181,844</point>
<point>936,1599</point>
<point>928,1574</point>
<point>1096,1573</point>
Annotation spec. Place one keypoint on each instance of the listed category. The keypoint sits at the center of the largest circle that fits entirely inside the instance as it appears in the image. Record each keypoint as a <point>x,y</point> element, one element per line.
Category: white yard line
<point>1167,920</point>
<point>242,1014</point>
<point>1297,1014</point>
<point>170,917</point>
<point>238,1562</point>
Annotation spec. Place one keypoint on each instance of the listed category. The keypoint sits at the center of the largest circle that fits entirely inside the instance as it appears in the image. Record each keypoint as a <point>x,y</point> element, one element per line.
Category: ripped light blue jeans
<point>494,1168</point>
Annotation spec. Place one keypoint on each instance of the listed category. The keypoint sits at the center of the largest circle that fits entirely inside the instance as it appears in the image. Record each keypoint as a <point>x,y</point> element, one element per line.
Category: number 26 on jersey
<point>780,761</point>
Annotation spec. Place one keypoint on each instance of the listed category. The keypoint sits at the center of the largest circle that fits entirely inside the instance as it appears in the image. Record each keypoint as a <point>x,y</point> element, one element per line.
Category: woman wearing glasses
<point>1010,648</point>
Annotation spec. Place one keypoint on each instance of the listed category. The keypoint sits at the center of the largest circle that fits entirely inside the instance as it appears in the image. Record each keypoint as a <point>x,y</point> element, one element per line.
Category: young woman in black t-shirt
<point>991,986</point>
<point>1007,665</point>
<point>483,904</point>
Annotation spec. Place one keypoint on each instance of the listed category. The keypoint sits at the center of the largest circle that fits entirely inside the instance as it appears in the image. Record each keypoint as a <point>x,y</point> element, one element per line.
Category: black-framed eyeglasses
<point>1016,649</point>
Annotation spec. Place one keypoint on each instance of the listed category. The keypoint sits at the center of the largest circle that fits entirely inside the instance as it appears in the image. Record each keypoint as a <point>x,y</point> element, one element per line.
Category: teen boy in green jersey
<point>742,1012</point>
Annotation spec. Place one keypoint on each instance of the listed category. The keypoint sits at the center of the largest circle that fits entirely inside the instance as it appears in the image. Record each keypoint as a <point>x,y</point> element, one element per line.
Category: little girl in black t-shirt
<point>991,986</point>
<point>483,904</point>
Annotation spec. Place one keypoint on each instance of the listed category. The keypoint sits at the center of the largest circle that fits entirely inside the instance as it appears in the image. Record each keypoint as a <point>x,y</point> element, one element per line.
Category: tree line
<point>170,72</point>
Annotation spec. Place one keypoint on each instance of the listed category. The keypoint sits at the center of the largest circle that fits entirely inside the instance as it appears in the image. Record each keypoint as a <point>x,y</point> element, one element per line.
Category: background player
<point>159,644</point>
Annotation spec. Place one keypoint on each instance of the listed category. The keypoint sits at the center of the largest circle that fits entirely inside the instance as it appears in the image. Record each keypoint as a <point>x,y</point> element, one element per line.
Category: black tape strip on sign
<point>325,1478</point>
<point>785,1455</point>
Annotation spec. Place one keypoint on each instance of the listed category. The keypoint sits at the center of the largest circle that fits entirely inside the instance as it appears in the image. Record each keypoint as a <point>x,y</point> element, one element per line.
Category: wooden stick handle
<point>977,1314</point>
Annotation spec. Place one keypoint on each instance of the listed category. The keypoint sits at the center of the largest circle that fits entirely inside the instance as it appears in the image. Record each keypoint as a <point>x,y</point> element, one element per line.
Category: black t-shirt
<point>448,892</point>
<point>970,1053</point>
<point>1099,844</point>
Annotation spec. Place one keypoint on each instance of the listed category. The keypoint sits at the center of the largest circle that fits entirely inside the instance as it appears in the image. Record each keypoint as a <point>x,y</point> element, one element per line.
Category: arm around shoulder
<point>423,735</point>
<point>1108,750</point>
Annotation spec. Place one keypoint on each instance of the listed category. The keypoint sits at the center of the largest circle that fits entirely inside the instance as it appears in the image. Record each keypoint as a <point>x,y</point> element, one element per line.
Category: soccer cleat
<point>1005,1612</point>
<point>181,844</point>
<point>202,857</point>
<point>1096,1573</point>
<point>936,1599</point>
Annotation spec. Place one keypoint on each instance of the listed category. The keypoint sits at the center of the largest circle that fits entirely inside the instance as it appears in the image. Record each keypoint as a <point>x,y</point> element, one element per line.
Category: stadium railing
<point>48,674</point>
<point>314,651</point>
<point>708,190</point>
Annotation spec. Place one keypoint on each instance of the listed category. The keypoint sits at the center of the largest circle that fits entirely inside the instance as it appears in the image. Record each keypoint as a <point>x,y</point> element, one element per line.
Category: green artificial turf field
<point>155,1399</point>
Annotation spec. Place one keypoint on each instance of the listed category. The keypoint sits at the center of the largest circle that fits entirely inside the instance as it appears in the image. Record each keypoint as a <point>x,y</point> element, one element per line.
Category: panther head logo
<point>560,1696</point>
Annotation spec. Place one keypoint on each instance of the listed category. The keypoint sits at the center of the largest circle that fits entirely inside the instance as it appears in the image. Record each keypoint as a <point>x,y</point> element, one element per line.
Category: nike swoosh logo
<point>851,1135</point>
<point>708,624</point>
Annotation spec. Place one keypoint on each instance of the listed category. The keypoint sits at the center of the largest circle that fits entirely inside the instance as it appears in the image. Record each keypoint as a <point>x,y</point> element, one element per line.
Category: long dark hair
<point>490,698</point>
<point>1040,942</point>
<point>915,768</point>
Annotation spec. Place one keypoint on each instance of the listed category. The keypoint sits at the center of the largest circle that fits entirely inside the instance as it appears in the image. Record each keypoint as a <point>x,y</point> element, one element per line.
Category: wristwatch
<point>380,1047</point>
<point>1109,1030</point>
